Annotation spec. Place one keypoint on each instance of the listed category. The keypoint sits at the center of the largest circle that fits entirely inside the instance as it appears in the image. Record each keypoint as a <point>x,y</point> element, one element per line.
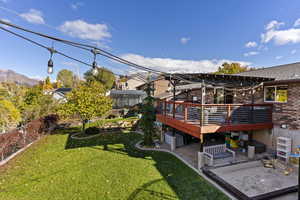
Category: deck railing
<point>216,114</point>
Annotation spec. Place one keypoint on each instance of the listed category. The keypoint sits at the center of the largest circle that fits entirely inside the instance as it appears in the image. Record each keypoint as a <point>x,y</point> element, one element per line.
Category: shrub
<point>50,121</point>
<point>92,131</point>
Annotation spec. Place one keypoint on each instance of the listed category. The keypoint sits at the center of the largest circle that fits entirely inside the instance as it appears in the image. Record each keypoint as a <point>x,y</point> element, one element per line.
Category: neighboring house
<point>129,82</point>
<point>263,103</point>
<point>160,85</point>
<point>126,98</point>
<point>60,93</point>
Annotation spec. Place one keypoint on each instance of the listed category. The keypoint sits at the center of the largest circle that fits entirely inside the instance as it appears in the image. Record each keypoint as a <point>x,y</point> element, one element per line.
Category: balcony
<point>199,119</point>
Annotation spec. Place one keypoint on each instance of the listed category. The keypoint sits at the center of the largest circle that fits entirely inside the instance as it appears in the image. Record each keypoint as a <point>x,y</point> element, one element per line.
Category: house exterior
<point>60,93</point>
<point>129,82</point>
<point>284,93</point>
<point>264,103</point>
<point>126,98</point>
<point>160,85</point>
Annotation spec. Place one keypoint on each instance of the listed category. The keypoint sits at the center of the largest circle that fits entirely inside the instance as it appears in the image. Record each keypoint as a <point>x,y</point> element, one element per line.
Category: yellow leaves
<point>10,115</point>
<point>87,101</point>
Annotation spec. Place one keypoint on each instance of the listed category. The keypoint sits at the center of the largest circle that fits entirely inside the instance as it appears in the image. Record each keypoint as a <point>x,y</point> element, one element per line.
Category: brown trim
<point>278,82</point>
<point>197,130</point>
<point>238,127</point>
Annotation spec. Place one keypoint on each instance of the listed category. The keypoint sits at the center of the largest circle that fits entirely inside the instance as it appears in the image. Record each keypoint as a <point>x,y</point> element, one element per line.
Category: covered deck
<point>198,119</point>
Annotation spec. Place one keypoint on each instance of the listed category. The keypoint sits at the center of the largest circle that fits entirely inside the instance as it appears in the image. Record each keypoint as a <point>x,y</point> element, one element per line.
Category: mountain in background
<point>12,76</point>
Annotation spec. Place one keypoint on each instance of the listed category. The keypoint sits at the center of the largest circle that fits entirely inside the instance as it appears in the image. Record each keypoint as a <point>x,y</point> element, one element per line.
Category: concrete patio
<point>248,176</point>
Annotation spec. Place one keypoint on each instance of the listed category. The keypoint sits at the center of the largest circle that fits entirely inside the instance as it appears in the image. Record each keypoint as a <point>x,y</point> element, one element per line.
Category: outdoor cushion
<point>222,155</point>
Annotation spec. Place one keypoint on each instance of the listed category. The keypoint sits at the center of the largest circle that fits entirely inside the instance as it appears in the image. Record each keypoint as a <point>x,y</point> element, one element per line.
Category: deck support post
<point>173,143</point>
<point>200,160</point>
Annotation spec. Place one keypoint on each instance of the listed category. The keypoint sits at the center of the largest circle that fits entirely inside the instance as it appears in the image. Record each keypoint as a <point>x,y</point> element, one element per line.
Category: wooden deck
<point>197,119</point>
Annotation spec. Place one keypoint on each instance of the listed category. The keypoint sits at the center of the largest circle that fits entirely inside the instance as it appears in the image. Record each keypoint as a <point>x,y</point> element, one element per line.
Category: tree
<point>47,84</point>
<point>57,84</point>
<point>86,102</point>
<point>148,116</point>
<point>37,104</point>
<point>65,77</point>
<point>9,114</point>
<point>104,76</point>
<point>14,93</point>
<point>232,68</point>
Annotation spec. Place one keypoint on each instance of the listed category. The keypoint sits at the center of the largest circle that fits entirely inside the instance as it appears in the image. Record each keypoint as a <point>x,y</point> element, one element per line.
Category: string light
<point>50,61</point>
<point>94,65</point>
<point>101,52</point>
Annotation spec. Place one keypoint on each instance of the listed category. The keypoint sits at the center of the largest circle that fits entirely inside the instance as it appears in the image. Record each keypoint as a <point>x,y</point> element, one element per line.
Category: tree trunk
<point>83,125</point>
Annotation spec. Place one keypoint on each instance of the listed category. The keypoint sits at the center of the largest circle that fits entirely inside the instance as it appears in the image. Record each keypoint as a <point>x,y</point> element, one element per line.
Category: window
<point>276,94</point>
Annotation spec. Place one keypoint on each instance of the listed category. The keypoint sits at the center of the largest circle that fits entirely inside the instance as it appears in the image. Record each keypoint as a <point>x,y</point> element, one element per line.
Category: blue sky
<point>169,35</point>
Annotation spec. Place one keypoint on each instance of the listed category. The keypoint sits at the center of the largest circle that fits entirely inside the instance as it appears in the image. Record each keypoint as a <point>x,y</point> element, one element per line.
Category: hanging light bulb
<point>95,68</point>
<point>50,66</point>
<point>94,65</point>
<point>50,61</point>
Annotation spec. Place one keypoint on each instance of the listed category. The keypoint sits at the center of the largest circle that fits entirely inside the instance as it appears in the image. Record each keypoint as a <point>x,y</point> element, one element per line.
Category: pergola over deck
<point>223,80</point>
<point>200,119</point>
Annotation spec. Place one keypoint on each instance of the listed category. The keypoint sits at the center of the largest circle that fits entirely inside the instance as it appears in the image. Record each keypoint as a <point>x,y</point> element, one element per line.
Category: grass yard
<point>106,167</point>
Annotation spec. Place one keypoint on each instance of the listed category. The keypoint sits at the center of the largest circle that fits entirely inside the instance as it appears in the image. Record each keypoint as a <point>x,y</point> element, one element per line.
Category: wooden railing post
<point>202,115</point>
<point>228,120</point>
<point>174,109</point>
<point>185,112</point>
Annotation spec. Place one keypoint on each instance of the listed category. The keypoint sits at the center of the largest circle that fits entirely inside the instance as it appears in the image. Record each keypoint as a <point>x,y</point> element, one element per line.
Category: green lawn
<point>106,167</point>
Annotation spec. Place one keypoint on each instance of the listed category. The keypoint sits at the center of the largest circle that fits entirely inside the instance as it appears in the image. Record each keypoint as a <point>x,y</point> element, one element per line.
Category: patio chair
<point>214,152</point>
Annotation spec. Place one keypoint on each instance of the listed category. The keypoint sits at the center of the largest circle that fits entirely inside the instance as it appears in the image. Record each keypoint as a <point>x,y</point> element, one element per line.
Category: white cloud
<point>84,30</point>
<point>76,5</point>
<point>179,66</point>
<point>273,25</point>
<point>251,53</point>
<point>281,37</point>
<point>33,16</point>
<point>4,1</point>
<point>262,47</point>
<point>100,45</point>
<point>297,22</point>
<point>293,51</point>
<point>251,44</point>
<point>184,40</point>
<point>278,57</point>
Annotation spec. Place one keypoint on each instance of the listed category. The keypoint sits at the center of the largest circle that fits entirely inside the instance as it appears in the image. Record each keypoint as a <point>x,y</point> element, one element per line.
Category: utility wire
<point>101,51</point>
<point>86,47</point>
<point>45,47</point>
<point>80,45</point>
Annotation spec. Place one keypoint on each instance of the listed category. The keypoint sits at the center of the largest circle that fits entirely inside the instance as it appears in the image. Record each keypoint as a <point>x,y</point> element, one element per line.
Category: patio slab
<point>253,181</point>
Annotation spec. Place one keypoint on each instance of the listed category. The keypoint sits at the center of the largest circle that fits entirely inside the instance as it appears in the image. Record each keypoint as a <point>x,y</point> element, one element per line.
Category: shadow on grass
<point>144,189</point>
<point>186,183</point>
<point>102,142</point>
